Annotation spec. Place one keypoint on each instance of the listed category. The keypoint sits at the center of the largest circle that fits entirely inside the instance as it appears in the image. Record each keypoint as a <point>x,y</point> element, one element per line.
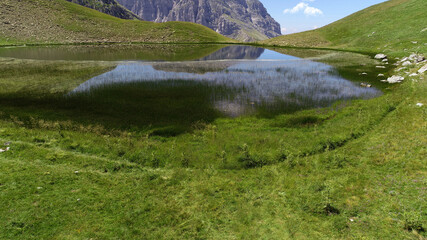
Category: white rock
<point>400,69</point>
<point>4,150</point>
<point>420,104</point>
<point>423,69</point>
<point>395,79</point>
<point>406,63</point>
<point>385,60</point>
<point>380,66</point>
<point>380,75</point>
<point>363,73</point>
<point>416,58</point>
<point>420,58</point>
<point>380,56</point>
<point>76,172</point>
<point>413,75</point>
<point>425,29</point>
<point>404,59</point>
<point>414,42</point>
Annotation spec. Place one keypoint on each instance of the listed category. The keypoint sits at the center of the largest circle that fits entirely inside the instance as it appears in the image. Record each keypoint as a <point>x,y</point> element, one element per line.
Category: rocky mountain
<point>110,7</point>
<point>245,20</point>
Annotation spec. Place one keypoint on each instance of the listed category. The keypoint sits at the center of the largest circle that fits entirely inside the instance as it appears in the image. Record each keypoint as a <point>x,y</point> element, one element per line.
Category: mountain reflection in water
<point>240,87</point>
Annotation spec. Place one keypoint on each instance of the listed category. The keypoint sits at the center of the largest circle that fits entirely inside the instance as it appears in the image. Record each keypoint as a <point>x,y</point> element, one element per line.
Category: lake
<point>157,86</point>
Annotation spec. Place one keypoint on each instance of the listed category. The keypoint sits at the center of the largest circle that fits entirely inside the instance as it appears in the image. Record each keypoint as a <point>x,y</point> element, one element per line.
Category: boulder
<point>395,79</point>
<point>406,63</point>
<point>423,69</point>
<point>380,56</point>
<point>416,58</point>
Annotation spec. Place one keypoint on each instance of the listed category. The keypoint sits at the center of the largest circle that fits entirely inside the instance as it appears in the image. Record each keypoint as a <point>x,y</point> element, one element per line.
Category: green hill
<point>44,21</point>
<point>392,26</point>
<point>110,7</point>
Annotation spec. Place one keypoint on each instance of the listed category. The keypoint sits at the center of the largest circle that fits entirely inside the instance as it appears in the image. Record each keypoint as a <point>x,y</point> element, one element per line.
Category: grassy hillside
<point>395,26</point>
<point>44,21</point>
<point>356,170</point>
<point>110,7</point>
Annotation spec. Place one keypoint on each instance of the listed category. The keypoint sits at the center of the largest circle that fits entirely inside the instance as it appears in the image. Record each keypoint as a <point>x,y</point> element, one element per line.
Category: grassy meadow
<point>353,170</point>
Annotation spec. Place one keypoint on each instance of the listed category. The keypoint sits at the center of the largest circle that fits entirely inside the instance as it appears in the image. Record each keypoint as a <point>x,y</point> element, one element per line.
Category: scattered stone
<point>365,85</point>
<point>39,188</point>
<point>76,172</point>
<point>413,75</point>
<point>420,104</point>
<point>423,69</point>
<point>400,69</point>
<point>416,58</point>
<point>7,143</point>
<point>395,79</point>
<point>380,66</point>
<point>380,75</point>
<point>363,73</point>
<point>404,59</point>
<point>4,150</point>
<point>414,42</point>
<point>383,80</point>
<point>406,63</point>
<point>380,56</point>
<point>425,29</point>
<point>385,60</point>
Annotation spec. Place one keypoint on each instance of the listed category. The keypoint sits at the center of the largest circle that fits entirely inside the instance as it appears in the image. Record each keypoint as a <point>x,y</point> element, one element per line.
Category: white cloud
<point>284,30</point>
<point>309,11</point>
<point>312,11</point>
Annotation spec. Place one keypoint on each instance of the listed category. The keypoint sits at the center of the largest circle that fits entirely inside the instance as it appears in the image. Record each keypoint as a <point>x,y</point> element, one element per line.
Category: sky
<point>302,15</point>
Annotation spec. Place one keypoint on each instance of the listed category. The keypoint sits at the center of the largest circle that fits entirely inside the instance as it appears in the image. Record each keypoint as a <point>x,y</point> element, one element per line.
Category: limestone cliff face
<point>110,7</point>
<point>245,20</point>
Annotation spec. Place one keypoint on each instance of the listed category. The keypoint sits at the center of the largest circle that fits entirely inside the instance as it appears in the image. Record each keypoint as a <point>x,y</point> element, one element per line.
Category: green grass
<point>354,170</point>
<point>53,22</point>
<point>389,27</point>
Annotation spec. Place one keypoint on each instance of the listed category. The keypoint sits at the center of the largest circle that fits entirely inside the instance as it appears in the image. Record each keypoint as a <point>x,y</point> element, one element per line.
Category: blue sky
<point>301,15</point>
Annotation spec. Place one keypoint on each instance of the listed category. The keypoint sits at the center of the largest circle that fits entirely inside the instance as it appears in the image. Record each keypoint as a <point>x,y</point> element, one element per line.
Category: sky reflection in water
<point>261,79</point>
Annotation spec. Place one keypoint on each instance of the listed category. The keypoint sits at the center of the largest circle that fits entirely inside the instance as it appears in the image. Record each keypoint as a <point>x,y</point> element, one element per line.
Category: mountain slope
<point>45,21</point>
<point>110,7</point>
<point>391,26</point>
<point>245,20</point>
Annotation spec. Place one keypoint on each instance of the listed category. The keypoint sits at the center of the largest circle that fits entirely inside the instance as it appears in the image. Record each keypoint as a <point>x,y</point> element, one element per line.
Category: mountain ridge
<point>110,7</point>
<point>245,20</point>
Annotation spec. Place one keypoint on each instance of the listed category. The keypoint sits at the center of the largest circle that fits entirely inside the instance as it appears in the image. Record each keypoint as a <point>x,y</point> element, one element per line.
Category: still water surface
<point>239,80</point>
<point>159,88</point>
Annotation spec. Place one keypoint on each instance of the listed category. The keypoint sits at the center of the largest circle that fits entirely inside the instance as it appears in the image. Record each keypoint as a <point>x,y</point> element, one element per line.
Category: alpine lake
<point>167,89</point>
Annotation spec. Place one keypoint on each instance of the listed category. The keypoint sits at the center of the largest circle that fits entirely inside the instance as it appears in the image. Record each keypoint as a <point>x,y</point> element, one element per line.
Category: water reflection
<point>143,52</point>
<point>238,87</point>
